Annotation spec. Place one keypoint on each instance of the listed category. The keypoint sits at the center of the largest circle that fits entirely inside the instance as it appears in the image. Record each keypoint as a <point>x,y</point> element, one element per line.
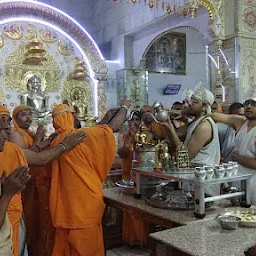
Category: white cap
<point>204,95</point>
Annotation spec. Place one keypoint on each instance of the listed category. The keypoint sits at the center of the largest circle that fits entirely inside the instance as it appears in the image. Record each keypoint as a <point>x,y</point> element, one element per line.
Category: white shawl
<point>246,146</point>
<point>5,237</point>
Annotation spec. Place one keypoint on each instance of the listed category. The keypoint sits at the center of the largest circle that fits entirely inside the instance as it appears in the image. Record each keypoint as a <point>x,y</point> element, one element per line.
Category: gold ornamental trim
<point>14,32</point>
<point>48,36</point>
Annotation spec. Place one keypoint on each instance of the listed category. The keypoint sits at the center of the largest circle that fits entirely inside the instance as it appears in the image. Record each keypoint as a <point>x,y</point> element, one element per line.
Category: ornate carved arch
<point>44,12</point>
<point>215,10</point>
<point>208,4</point>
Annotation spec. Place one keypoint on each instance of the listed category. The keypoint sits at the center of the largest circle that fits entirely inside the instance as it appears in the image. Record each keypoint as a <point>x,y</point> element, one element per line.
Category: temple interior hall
<point>178,79</point>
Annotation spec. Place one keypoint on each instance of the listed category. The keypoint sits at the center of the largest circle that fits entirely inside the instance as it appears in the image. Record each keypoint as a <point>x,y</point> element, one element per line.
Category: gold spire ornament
<point>80,72</point>
<point>35,50</point>
<point>35,54</point>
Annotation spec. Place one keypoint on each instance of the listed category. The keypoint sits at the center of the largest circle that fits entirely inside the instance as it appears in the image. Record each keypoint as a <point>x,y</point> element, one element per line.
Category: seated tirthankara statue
<point>37,99</point>
<point>79,103</point>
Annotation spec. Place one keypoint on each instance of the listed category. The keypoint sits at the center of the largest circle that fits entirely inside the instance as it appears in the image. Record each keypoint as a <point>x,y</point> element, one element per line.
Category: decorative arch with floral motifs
<point>40,11</point>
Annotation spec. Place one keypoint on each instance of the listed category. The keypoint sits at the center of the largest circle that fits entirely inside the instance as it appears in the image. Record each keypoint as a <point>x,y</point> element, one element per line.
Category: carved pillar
<point>246,31</point>
<point>218,82</point>
<point>101,85</point>
<point>216,18</point>
<point>102,98</point>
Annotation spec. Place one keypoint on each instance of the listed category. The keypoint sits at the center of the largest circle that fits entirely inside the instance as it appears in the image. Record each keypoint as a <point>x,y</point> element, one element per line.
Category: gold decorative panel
<point>48,36</point>
<point>1,41</point>
<point>16,73</point>
<point>14,32</point>
<point>65,47</point>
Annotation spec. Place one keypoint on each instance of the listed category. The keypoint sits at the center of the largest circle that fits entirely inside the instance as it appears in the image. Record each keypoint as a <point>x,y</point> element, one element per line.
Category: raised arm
<point>235,121</point>
<point>38,144</point>
<point>118,120</point>
<point>199,139</point>
<point>45,157</point>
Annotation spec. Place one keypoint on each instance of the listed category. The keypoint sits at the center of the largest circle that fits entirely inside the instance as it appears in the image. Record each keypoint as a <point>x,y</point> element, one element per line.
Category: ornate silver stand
<point>199,186</point>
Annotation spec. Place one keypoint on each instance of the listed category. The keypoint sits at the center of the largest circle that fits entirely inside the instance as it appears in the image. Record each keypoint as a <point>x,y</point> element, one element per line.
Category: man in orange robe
<point>135,230</point>
<point>157,130</point>
<point>76,197</point>
<point>9,187</point>
<point>35,197</point>
<point>15,157</point>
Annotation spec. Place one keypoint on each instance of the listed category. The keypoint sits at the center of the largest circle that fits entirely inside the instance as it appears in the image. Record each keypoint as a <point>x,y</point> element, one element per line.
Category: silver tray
<point>247,216</point>
<point>179,201</point>
<point>125,186</point>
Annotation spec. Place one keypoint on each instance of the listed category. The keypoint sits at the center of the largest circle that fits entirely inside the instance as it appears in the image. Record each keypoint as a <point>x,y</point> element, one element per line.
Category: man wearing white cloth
<point>9,186</point>
<point>245,150</point>
<point>202,134</point>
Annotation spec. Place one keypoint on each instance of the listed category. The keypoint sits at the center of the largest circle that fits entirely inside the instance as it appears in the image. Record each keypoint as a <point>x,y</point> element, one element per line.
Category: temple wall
<point>80,10</point>
<point>246,29</point>
<point>123,31</point>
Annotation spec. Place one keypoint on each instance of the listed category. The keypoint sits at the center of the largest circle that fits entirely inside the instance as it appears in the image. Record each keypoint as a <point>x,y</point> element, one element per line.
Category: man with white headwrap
<point>202,134</point>
<point>245,149</point>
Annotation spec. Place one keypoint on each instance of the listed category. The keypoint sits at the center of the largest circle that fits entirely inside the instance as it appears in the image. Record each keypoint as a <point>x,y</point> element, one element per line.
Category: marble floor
<point>126,251</point>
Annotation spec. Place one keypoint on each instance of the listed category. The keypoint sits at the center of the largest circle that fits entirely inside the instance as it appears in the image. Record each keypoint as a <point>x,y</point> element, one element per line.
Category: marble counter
<point>208,239</point>
<point>114,196</point>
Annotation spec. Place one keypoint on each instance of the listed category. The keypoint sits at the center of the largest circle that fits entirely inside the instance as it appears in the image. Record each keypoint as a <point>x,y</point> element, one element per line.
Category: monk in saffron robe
<point>15,157</point>
<point>9,187</point>
<point>35,197</point>
<point>76,197</point>
<point>135,229</point>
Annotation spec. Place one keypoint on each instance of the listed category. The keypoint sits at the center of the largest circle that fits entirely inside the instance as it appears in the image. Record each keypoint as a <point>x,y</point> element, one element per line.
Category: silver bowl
<point>125,186</point>
<point>228,172</point>
<point>209,174</point>
<point>219,173</point>
<point>228,222</point>
<point>200,175</point>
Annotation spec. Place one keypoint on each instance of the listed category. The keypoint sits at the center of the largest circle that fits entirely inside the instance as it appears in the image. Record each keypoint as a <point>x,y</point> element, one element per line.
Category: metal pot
<point>145,158</point>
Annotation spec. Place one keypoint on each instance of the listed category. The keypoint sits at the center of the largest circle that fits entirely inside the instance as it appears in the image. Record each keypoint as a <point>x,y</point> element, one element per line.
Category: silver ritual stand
<point>199,186</point>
